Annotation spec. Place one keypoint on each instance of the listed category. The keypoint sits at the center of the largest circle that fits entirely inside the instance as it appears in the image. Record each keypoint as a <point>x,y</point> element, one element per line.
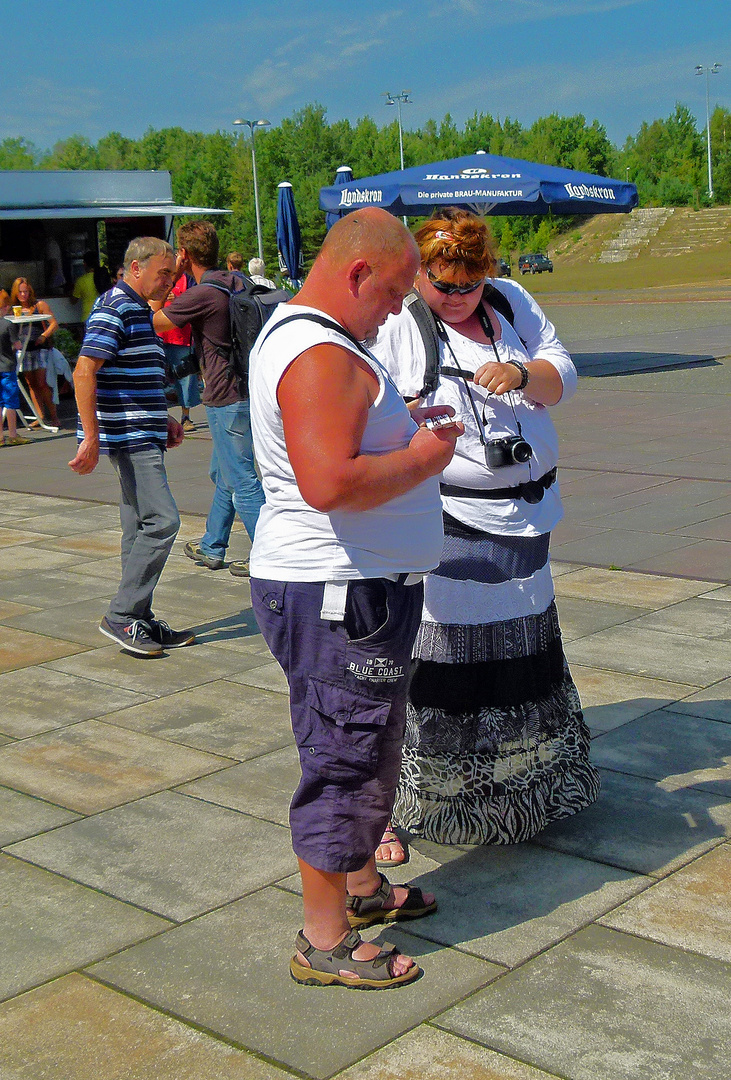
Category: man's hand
<point>175,433</point>
<point>498,378</point>
<point>87,457</point>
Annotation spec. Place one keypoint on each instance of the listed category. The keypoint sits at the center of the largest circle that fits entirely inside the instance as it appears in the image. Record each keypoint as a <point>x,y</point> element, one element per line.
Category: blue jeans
<point>238,488</point>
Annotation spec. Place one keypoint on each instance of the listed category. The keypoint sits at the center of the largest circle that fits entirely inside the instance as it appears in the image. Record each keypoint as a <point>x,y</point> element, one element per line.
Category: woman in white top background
<point>496,745</point>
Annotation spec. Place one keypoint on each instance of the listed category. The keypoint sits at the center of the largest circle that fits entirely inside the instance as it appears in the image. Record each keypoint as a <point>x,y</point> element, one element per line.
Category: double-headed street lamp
<point>398,100</point>
<point>251,124</point>
<point>700,70</point>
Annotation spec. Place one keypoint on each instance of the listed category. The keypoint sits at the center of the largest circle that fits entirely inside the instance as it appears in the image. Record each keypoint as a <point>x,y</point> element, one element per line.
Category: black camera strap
<point>467,377</point>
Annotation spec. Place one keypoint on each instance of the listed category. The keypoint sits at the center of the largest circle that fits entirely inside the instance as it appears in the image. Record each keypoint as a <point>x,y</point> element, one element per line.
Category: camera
<point>512,450</point>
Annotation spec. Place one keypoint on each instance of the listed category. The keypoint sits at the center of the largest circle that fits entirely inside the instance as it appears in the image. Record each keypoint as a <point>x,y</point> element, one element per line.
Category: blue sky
<point>81,67</point>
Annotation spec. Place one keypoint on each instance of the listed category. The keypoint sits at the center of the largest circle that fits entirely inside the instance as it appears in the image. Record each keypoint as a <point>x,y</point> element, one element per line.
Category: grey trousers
<point>150,523</point>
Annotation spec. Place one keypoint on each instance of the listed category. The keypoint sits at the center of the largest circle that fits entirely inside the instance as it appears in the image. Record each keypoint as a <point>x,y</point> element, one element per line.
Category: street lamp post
<point>398,100</point>
<point>700,70</point>
<point>251,124</point>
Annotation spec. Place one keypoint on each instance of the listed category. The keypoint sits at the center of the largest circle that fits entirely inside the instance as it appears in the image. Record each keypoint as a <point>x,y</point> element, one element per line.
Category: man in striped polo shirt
<point>120,395</point>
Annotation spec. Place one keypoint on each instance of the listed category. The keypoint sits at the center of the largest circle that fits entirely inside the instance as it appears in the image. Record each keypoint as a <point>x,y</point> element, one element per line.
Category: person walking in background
<point>257,273</point>
<point>119,382</point>
<point>85,291</point>
<point>351,522</point>
<point>234,261</point>
<point>496,744</point>
<point>9,395</point>
<point>33,367</point>
<point>206,308</point>
<point>178,346</point>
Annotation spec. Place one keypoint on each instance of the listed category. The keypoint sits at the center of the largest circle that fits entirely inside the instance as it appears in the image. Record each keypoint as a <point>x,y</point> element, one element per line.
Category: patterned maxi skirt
<point>496,746</point>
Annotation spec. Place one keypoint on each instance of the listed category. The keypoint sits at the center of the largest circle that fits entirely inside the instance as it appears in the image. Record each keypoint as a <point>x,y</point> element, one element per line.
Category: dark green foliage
<point>666,159</point>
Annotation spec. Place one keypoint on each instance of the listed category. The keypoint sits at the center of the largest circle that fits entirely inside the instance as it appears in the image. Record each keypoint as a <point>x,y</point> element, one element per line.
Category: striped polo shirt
<point>131,404</point>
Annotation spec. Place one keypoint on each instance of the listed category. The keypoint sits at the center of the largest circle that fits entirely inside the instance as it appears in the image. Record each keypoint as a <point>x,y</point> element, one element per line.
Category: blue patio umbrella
<point>343,176</point>
<point>486,184</point>
<point>289,237</point>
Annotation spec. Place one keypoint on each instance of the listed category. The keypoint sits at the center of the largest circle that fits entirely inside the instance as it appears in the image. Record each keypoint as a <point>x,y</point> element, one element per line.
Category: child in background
<point>9,396</point>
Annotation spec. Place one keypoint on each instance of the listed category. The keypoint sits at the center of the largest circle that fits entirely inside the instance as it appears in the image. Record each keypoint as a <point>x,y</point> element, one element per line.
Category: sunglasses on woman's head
<point>449,289</point>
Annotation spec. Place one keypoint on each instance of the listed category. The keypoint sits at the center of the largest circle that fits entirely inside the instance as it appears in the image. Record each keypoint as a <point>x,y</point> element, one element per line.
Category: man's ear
<point>358,271</point>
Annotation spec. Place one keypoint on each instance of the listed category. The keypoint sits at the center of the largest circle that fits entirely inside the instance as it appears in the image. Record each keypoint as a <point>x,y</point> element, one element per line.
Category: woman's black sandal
<point>326,965</point>
<point>366,910</point>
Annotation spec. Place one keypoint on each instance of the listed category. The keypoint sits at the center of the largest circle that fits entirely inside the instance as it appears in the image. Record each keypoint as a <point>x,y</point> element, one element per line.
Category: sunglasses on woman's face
<point>449,289</point>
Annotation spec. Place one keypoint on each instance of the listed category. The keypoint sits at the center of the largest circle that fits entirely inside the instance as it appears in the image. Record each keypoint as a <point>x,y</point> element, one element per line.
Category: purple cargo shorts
<point>348,684</point>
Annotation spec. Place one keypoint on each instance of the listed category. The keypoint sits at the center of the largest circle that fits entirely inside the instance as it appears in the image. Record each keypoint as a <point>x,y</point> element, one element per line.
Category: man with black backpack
<point>208,308</point>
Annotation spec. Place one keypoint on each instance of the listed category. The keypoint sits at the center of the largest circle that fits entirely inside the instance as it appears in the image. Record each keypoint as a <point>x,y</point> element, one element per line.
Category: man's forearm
<point>85,393</point>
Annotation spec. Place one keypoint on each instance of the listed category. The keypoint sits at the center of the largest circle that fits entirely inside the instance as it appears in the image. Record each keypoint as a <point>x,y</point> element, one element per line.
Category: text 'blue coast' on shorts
<point>348,685</point>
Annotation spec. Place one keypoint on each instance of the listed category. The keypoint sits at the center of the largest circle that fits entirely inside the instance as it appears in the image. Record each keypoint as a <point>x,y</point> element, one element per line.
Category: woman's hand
<point>498,378</point>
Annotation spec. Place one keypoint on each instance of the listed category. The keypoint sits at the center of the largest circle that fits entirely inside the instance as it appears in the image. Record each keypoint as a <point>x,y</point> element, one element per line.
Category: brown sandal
<point>326,965</point>
<point>366,910</point>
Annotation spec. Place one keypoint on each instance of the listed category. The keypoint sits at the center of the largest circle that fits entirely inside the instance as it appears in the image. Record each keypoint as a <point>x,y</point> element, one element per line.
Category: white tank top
<point>295,542</point>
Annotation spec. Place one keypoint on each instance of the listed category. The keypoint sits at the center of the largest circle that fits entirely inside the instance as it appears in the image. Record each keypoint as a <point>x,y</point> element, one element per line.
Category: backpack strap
<point>329,324</point>
<point>426,322</point>
<point>432,331</point>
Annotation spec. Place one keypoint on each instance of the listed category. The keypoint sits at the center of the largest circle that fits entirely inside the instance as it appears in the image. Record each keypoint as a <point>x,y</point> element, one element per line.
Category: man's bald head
<point>371,234</point>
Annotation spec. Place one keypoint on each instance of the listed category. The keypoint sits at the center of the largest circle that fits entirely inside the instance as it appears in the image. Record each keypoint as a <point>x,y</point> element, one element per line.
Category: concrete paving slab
<point>701,617</point>
<point>507,904</point>
<point>131,1040</point>
<point>574,1011</point>
<point>88,519</point>
<point>722,593</point>
<point>707,559</point>
<point>8,610</point>
<point>92,766</point>
<point>238,630</point>
<point>219,718</point>
<point>19,649</point>
<point>718,528</point>
<point>618,547</point>
<point>581,617</point>
<point>23,503</point>
<point>660,516</point>
<point>637,825</point>
<point>679,750</point>
<point>50,926</point>
<point>100,544</point>
<point>167,853</point>
<point>52,588</point>
<point>73,622</point>
<point>39,699</point>
<point>239,986</point>
<point>15,535</point>
<point>28,559</point>
<point>690,909</point>
<point>266,677</point>
<point>626,587</point>
<point>610,699</point>
<point>713,702</point>
<point>262,786</point>
<point>650,653</point>
<point>176,670</point>
<point>558,568</point>
<point>430,1054</point>
<point>228,594</point>
<point>22,816</point>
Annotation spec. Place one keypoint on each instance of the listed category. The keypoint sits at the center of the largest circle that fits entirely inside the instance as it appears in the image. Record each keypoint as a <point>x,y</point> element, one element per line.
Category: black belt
<point>530,492</point>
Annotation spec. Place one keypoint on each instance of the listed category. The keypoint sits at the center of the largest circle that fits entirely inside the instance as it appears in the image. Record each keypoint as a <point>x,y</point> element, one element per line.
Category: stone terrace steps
<point>640,227</point>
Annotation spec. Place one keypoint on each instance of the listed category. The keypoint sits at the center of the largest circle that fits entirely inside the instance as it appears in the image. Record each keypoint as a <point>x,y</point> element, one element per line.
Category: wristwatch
<point>523,373</point>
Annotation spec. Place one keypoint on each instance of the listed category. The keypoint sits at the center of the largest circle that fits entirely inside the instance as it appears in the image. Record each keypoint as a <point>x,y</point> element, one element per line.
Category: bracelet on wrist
<point>523,373</point>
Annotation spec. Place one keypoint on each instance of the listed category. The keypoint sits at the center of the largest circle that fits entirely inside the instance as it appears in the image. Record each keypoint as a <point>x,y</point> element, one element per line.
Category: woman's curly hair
<point>457,237</point>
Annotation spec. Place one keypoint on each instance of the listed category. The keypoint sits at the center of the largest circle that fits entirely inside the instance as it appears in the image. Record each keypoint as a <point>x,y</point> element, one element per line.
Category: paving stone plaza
<point>148,891</point>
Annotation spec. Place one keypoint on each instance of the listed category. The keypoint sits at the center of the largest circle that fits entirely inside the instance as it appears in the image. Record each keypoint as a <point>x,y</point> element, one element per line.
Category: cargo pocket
<point>345,732</point>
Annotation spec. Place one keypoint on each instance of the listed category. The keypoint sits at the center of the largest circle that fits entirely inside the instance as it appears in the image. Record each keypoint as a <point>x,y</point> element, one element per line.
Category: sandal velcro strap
<point>362,905</point>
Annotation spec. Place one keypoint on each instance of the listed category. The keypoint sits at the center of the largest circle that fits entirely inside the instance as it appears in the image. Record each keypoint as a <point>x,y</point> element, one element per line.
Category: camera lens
<point>521,451</point>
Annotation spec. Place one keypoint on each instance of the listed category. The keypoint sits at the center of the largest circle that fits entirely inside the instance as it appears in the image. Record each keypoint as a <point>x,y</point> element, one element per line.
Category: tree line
<point>666,159</point>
